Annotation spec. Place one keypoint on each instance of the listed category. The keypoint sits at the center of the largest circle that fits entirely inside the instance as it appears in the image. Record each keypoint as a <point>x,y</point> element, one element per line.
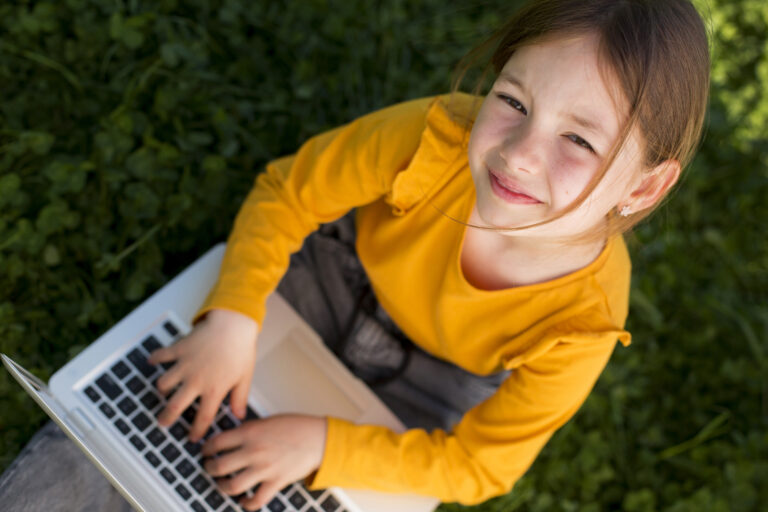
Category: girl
<point>491,237</point>
<point>480,281</point>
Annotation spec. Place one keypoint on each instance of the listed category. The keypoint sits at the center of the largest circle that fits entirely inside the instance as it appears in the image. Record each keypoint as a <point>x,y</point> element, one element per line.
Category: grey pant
<point>327,285</point>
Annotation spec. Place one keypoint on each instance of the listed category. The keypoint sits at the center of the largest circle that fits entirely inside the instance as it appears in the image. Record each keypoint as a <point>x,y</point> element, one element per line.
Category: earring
<point>625,211</point>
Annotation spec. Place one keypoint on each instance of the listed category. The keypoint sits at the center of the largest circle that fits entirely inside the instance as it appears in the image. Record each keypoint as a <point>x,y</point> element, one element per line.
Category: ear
<point>653,185</point>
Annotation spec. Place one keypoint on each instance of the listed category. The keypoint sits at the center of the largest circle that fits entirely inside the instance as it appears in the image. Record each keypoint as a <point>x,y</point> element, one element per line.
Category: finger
<point>243,481</point>
<point>267,490</point>
<point>170,379</point>
<point>222,442</point>
<point>163,355</point>
<point>228,463</point>
<point>239,398</point>
<point>205,415</point>
<point>184,396</point>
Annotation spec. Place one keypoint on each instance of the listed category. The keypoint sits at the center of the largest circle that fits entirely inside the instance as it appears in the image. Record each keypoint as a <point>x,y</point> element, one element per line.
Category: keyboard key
<point>156,437</point>
<point>141,421</point>
<point>137,442</point>
<point>170,329</point>
<point>189,414</point>
<point>330,504</point>
<point>151,344</point>
<point>168,475</point>
<point>139,361</point>
<point>178,431</point>
<point>211,432</point>
<point>108,386</point>
<point>152,458</point>
<point>122,426</point>
<point>150,400</point>
<point>197,507</point>
<point>121,370</point>
<point>92,394</point>
<point>315,494</point>
<point>228,508</point>
<point>311,509</point>
<point>135,385</point>
<point>226,423</point>
<point>193,448</point>
<point>214,499</point>
<point>183,492</point>
<point>250,414</point>
<point>276,505</point>
<point>107,410</point>
<point>297,499</point>
<point>200,483</point>
<point>170,452</point>
<point>127,406</point>
<point>185,468</point>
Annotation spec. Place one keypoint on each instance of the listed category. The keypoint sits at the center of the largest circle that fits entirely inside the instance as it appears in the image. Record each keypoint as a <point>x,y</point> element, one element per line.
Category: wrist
<point>232,319</point>
<point>319,429</point>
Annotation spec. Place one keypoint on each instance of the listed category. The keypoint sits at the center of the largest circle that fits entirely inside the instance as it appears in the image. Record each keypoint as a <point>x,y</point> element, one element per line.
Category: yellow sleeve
<point>331,174</point>
<point>488,451</point>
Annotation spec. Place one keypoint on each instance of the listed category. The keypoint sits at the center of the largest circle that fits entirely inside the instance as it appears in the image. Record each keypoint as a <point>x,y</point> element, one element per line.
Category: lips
<point>509,191</point>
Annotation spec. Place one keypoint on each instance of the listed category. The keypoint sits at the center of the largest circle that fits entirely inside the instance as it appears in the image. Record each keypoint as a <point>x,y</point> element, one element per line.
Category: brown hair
<point>656,49</point>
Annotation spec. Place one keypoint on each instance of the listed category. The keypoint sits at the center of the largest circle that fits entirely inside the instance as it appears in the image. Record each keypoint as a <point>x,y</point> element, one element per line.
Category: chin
<point>496,217</point>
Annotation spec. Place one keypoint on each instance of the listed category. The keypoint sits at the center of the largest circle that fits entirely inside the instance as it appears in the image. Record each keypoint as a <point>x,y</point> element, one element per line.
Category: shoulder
<point>453,113</point>
<point>438,154</point>
<point>613,279</point>
<point>401,120</point>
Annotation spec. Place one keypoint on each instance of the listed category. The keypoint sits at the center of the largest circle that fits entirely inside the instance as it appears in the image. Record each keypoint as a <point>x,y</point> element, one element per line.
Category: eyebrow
<point>579,120</point>
<point>507,77</point>
<point>586,123</point>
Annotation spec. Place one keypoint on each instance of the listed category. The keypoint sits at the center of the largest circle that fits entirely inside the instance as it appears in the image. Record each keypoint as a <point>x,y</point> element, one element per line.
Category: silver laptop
<point>105,400</point>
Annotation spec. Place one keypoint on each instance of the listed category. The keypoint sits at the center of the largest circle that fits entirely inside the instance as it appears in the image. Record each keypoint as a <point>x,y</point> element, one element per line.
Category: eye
<point>581,142</point>
<point>513,103</point>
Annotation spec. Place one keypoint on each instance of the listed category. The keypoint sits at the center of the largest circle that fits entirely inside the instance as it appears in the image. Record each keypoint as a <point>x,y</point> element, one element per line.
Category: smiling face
<point>542,134</point>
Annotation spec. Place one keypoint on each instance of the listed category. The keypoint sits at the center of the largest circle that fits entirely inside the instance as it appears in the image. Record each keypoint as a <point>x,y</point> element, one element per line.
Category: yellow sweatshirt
<point>401,166</point>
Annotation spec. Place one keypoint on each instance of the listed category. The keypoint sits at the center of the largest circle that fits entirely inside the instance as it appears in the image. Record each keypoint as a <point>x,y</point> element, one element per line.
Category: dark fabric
<point>51,474</point>
<point>327,285</point>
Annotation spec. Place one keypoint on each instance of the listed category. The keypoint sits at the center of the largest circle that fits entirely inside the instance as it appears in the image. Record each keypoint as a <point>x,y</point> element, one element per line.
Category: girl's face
<point>541,136</point>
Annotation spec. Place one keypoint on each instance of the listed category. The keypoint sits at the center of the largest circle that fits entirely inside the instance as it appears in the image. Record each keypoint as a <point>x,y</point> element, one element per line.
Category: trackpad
<point>292,382</point>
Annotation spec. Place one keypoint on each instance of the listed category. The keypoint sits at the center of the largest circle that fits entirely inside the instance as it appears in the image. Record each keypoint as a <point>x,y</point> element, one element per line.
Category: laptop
<point>106,401</point>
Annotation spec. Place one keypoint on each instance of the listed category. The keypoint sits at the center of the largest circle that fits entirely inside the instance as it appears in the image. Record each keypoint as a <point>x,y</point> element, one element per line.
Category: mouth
<point>509,191</point>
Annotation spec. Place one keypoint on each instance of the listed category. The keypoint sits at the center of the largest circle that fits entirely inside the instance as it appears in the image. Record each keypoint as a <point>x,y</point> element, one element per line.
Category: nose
<point>523,151</point>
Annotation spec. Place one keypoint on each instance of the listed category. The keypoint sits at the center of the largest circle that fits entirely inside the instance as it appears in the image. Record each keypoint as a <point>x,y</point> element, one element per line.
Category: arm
<point>332,173</point>
<point>488,451</point>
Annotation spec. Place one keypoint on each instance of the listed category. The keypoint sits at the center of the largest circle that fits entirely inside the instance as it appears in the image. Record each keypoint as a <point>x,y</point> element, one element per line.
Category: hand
<point>217,357</point>
<point>273,452</point>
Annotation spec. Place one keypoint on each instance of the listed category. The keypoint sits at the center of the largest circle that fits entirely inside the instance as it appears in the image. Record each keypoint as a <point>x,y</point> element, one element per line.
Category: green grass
<point>130,131</point>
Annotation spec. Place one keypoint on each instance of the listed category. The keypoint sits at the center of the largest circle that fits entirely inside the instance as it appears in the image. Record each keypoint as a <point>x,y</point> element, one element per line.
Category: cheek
<point>570,176</point>
<point>481,140</point>
<point>491,128</point>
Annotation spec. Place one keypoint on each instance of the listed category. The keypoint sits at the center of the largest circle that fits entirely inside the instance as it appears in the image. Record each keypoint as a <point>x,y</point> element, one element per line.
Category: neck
<point>536,261</point>
<point>522,260</point>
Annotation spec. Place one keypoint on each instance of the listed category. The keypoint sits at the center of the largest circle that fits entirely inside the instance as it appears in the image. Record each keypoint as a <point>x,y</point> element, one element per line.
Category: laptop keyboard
<point>127,397</point>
